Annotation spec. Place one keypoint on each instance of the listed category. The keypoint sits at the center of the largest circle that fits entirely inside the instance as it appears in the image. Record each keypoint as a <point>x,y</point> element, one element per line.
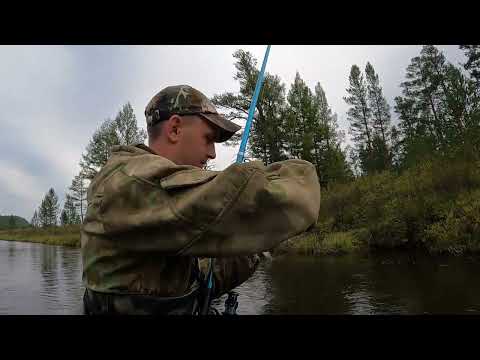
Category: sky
<point>53,98</point>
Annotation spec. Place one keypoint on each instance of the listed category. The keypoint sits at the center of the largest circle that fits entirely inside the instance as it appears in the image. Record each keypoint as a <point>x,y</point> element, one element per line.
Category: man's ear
<point>173,128</point>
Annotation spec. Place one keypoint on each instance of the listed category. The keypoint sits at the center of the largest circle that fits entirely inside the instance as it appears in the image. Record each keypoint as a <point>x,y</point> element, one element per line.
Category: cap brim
<point>227,128</point>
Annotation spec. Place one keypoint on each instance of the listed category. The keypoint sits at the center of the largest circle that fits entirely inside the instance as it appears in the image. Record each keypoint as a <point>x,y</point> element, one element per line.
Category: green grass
<point>66,236</point>
<point>313,243</point>
<point>433,207</point>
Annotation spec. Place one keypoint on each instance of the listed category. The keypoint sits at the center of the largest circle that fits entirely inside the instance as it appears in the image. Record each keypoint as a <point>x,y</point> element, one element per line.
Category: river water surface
<point>46,280</point>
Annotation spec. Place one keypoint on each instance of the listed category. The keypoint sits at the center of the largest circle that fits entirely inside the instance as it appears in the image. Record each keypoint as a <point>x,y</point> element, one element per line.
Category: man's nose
<point>211,152</point>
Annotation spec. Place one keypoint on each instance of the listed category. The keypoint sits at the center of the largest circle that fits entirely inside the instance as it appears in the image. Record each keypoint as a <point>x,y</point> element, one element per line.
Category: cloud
<point>20,187</point>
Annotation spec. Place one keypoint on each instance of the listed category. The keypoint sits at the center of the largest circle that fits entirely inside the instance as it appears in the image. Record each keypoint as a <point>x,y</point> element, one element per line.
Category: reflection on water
<point>38,279</point>
<point>254,296</point>
<point>42,279</point>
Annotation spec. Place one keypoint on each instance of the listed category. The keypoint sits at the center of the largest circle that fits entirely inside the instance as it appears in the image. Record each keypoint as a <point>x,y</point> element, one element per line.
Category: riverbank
<point>315,243</point>
<point>311,243</point>
<point>65,235</point>
<point>433,207</point>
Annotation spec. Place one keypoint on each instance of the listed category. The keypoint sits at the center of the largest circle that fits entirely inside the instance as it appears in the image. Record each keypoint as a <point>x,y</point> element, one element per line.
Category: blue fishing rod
<point>231,302</point>
<point>251,111</point>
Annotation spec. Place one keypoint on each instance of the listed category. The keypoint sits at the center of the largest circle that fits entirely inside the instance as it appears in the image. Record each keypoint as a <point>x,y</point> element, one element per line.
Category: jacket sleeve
<point>243,210</point>
<point>272,204</point>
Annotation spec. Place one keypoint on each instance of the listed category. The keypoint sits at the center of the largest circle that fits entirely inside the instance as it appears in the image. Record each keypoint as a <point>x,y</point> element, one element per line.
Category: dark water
<point>39,279</point>
<point>42,279</point>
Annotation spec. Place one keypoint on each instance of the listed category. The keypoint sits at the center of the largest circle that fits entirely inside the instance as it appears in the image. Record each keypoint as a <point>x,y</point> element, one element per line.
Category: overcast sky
<point>52,98</point>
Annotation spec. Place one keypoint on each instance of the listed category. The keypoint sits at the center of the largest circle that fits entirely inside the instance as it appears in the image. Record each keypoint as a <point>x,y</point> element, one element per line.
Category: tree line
<point>438,114</point>
<point>294,124</point>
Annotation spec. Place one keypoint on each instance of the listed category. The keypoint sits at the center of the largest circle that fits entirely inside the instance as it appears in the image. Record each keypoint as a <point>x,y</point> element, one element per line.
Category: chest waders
<point>231,303</point>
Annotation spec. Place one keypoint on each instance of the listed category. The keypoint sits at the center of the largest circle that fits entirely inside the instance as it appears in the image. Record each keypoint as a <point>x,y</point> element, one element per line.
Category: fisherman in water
<point>155,215</point>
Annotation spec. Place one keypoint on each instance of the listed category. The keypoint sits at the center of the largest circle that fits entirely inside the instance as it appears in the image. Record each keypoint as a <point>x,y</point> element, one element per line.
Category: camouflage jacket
<point>149,220</point>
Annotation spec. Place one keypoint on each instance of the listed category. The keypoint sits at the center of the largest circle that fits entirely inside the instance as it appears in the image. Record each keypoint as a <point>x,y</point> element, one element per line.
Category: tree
<point>266,134</point>
<point>123,130</point>
<point>421,109</point>
<point>472,52</point>
<point>438,109</point>
<point>70,210</point>
<point>78,196</point>
<point>48,211</point>
<point>42,213</point>
<point>359,112</point>
<point>359,116</point>
<point>35,221</point>
<point>299,125</point>
<point>472,65</point>
<point>354,161</point>
<point>330,159</point>
<point>378,158</point>
<point>396,143</point>
<point>378,104</point>
<point>64,218</point>
<point>301,121</point>
<point>380,111</point>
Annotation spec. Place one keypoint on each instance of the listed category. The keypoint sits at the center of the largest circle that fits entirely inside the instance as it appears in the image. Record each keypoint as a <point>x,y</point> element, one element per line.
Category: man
<point>153,212</point>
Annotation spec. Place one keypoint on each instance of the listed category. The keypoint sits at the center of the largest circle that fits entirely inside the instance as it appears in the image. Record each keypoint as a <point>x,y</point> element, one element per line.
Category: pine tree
<point>438,108</point>
<point>35,221</point>
<point>70,210</point>
<point>98,149</point>
<point>64,218</point>
<point>378,104</point>
<point>472,121</point>
<point>79,195</point>
<point>330,159</point>
<point>381,120</point>
<point>359,116</point>
<point>472,52</point>
<point>123,130</point>
<point>266,134</point>
<point>301,121</point>
<point>43,213</point>
<point>48,212</point>
<point>54,207</point>
<point>126,129</point>
<point>359,113</point>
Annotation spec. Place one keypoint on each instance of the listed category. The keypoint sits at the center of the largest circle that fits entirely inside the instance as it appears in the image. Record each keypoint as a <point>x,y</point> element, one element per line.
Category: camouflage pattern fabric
<point>185,100</point>
<point>149,221</point>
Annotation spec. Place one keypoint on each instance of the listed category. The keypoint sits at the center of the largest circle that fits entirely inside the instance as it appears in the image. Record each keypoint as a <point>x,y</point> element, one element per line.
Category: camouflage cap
<point>185,100</point>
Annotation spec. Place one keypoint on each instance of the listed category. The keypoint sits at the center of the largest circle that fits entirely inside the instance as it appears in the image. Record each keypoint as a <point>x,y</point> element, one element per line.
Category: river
<point>37,279</point>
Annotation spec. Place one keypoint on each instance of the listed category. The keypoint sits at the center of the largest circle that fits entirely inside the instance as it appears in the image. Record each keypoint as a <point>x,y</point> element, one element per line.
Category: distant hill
<point>19,222</point>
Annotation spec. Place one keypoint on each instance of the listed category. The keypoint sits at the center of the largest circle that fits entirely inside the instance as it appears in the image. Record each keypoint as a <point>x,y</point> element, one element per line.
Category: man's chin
<point>200,165</point>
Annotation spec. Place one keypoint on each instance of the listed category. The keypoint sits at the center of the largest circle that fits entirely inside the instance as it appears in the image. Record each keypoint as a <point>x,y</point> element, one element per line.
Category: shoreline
<point>314,243</point>
<point>63,236</point>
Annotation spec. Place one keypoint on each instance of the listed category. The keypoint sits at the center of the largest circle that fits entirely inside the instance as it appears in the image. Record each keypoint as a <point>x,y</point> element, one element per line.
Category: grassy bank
<point>67,235</point>
<point>318,243</point>
<point>434,207</point>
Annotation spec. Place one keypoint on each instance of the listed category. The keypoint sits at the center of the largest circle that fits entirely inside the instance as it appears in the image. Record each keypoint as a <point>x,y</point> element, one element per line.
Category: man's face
<point>197,144</point>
